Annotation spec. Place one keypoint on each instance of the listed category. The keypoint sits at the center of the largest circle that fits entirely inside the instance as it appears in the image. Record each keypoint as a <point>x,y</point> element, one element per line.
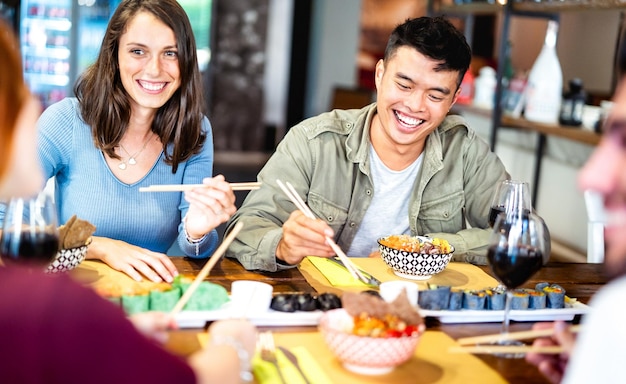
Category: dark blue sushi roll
<point>520,299</point>
<point>474,300</point>
<point>536,299</point>
<point>555,296</point>
<point>495,299</point>
<point>456,300</point>
<point>435,298</point>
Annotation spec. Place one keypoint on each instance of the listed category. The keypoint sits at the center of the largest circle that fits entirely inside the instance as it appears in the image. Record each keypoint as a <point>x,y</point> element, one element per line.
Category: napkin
<point>336,274</point>
<point>266,373</point>
<point>323,274</point>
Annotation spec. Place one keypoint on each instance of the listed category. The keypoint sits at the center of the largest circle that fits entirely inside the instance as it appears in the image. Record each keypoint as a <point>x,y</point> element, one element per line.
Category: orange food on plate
<point>418,245</point>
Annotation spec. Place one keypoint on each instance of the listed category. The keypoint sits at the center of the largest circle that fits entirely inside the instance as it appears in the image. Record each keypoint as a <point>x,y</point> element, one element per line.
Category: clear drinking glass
<point>30,235</point>
<point>516,251</point>
<point>510,196</point>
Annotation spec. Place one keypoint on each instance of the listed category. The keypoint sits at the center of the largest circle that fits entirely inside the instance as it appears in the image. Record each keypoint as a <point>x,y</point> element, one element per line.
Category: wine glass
<point>29,234</point>
<point>517,249</point>
<point>510,196</point>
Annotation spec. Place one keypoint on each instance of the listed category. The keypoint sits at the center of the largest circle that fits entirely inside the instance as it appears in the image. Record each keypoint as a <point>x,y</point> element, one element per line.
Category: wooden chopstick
<point>513,349</point>
<point>295,198</point>
<point>186,187</point>
<point>523,335</point>
<point>204,272</point>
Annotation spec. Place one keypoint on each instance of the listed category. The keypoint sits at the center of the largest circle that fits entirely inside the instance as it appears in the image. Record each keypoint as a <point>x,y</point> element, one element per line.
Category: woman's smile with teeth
<point>151,86</point>
<point>407,120</point>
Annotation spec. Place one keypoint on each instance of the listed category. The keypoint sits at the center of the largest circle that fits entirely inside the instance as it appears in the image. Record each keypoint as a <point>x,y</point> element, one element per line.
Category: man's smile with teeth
<point>152,86</point>
<point>408,121</point>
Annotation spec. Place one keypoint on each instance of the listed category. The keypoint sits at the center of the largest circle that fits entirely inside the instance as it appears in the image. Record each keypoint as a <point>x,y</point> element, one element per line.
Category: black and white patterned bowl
<point>67,259</point>
<point>414,265</point>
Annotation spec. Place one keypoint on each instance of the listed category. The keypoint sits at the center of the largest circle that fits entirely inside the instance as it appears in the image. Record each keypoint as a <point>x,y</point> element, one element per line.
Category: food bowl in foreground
<point>415,257</point>
<point>364,354</point>
<point>67,259</point>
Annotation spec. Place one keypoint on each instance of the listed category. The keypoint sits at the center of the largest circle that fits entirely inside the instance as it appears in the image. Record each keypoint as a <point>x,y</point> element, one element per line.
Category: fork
<point>268,351</point>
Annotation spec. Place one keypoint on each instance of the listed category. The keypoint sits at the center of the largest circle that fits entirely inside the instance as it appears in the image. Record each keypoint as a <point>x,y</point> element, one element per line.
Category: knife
<point>371,279</point>
<point>294,360</point>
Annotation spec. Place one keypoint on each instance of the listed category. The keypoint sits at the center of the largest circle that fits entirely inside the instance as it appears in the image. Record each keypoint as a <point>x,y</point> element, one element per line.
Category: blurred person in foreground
<point>138,120</point>
<point>597,354</point>
<point>54,330</point>
<point>401,165</point>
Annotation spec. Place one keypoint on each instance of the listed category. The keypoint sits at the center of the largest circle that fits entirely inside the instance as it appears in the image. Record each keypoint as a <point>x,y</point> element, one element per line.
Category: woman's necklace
<point>132,159</point>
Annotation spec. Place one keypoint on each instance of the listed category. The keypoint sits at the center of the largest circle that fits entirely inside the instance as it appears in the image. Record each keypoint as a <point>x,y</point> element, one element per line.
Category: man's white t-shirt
<point>388,214</point>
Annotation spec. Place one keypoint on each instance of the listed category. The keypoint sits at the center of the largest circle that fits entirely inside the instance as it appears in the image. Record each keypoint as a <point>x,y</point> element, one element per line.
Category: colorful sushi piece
<point>164,300</point>
<point>496,298</point>
<point>456,300</point>
<point>434,298</point>
<point>519,299</point>
<point>555,296</point>
<point>536,299</point>
<point>474,300</point>
<point>136,303</point>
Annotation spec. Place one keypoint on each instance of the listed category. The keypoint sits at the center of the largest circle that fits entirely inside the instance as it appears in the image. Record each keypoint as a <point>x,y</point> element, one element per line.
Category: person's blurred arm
<point>553,366</point>
<point>227,358</point>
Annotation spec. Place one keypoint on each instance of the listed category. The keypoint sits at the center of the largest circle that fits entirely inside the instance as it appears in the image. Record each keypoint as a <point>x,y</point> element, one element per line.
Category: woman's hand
<point>132,260</point>
<point>553,366</point>
<point>209,206</point>
<point>154,325</point>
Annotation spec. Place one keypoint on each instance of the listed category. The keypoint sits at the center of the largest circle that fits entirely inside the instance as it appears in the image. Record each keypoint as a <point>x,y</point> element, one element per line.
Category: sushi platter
<point>489,316</point>
<point>270,318</point>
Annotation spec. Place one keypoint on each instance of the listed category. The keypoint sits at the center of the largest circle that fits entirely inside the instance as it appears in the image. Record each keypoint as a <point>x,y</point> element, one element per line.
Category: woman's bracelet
<point>245,368</point>
<point>195,242</point>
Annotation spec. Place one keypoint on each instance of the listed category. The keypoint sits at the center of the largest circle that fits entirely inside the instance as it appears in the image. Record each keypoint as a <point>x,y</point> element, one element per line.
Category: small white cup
<point>249,297</point>
<point>389,290</point>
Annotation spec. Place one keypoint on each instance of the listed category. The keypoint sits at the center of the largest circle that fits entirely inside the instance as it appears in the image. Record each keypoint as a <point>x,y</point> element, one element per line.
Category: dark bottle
<point>573,103</point>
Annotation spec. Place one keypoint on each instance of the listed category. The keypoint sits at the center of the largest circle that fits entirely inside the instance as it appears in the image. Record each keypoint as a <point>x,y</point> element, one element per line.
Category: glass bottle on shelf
<point>573,104</point>
<point>545,82</point>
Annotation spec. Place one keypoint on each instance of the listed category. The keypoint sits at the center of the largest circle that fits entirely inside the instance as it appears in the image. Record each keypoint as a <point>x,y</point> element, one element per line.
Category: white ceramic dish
<point>486,316</point>
<point>270,318</point>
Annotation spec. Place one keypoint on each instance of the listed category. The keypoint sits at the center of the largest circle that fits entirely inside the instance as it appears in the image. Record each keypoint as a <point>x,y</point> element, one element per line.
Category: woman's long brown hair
<point>13,92</point>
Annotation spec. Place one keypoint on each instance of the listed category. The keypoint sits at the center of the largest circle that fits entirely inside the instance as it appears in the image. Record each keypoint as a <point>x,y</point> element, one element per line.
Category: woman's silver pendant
<point>132,161</point>
<point>122,166</point>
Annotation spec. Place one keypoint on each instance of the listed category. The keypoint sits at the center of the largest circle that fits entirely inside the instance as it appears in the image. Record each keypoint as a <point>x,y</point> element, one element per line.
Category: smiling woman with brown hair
<point>137,120</point>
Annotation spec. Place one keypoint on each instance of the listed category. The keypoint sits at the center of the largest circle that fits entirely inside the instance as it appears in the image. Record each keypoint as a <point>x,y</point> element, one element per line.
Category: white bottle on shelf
<point>545,82</point>
<point>485,88</point>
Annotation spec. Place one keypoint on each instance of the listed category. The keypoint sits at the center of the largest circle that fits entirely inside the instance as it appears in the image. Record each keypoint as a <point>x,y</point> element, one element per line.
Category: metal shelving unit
<point>547,10</point>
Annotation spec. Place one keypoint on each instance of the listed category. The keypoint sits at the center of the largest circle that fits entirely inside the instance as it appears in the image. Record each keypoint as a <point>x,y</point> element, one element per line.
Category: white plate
<point>197,319</point>
<point>487,316</point>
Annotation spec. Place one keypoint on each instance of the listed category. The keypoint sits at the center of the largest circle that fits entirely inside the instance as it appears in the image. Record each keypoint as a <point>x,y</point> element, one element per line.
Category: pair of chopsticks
<point>295,198</point>
<point>186,187</point>
<point>465,344</point>
<point>204,272</point>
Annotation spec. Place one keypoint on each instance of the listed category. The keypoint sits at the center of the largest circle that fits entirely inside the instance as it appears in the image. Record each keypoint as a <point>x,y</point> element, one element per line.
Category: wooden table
<point>580,281</point>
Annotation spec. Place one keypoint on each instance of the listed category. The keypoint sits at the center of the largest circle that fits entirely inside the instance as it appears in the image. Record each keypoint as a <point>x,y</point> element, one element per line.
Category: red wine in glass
<point>29,233</point>
<point>511,196</point>
<point>515,269</point>
<point>29,248</point>
<point>517,249</point>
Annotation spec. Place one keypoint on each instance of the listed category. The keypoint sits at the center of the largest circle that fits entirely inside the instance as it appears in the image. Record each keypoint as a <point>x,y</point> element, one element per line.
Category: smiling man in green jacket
<point>400,165</point>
